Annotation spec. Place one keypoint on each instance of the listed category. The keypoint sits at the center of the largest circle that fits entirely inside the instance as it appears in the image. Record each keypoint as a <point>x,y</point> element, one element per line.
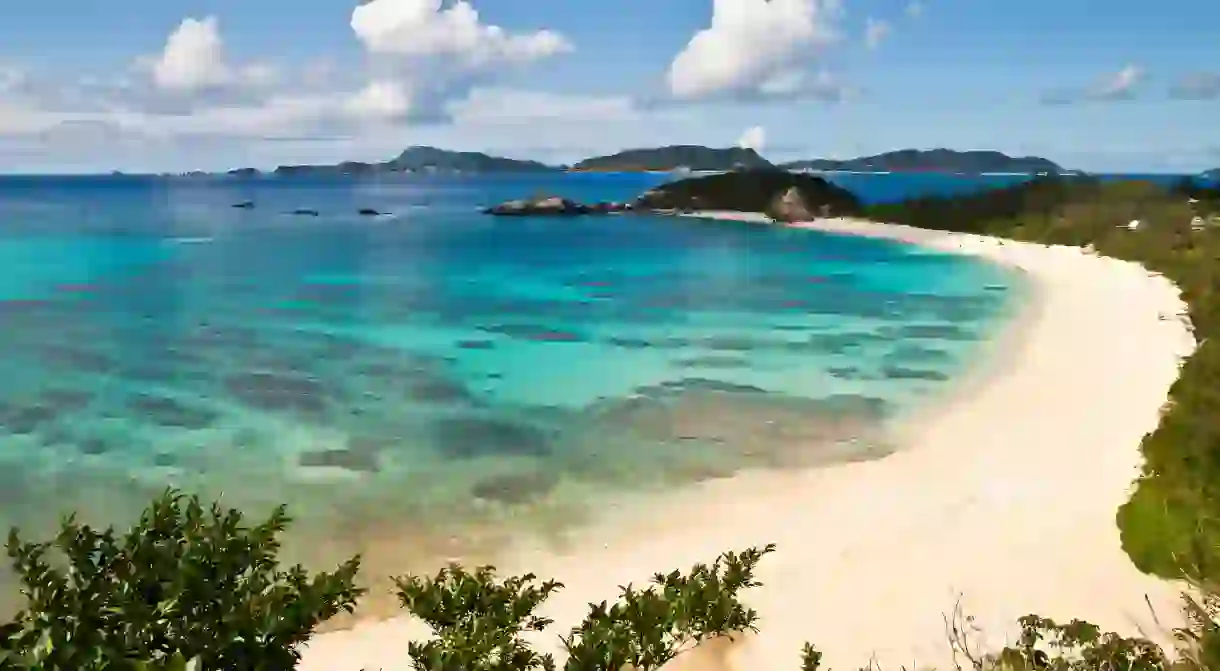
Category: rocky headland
<point>782,195</point>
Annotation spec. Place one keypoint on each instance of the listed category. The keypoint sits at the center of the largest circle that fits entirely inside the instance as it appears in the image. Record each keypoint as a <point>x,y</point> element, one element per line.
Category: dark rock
<point>473,437</point>
<point>732,344</point>
<point>904,373</point>
<point>64,400</point>
<point>789,206</point>
<point>847,373</point>
<point>78,359</point>
<point>713,361</point>
<point>369,212</point>
<point>151,374</point>
<point>515,488</point>
<point>628,343</point>
<point>172,413</point>
<point>302,212</point>
<point>476,344</point>
<point>917,354</point>
<point>754,424</point>
<point>551,206</point>
<point>534,332</point>
<point>94,445</point>
<point>348,459</point>
<point>700,384</point>
<point>936,332</point>
<point>439,391</point>
<point>165,459</point>
<point>244,205</point>
<point>24,420</point>
<point>277,392</point>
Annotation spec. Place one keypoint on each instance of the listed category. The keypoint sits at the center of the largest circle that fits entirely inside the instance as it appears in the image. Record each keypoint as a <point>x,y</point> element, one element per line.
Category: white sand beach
<point>1005,495</point>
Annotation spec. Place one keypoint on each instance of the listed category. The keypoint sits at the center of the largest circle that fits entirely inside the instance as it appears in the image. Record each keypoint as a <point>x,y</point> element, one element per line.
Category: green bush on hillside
<point>1172,522</point>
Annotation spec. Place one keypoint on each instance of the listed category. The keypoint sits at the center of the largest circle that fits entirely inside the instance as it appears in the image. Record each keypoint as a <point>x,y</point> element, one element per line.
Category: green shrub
<point>184,582</point>
<point>478,619</point>
<point>189,590</point>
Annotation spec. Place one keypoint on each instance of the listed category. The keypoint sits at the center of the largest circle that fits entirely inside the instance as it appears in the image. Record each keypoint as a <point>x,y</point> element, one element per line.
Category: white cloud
<point>194,59</point>
<point>380,100</point>
<point>490,106</point>
<point>436,52</point>
<point>875,30</point>
<point>1121,84</point>
<point>12,79</point>
<point>751,45</point>
<point>755,137</point>
<point>422,28</point>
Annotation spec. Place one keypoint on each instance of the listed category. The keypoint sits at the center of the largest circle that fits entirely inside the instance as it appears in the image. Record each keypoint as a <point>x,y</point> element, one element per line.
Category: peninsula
<point>783,195</point>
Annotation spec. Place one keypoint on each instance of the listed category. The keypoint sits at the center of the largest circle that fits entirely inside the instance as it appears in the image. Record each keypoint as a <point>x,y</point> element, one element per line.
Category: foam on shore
<point>1003,498</point>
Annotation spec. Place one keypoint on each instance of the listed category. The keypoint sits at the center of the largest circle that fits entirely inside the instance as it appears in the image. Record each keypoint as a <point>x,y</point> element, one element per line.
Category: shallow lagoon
<point>434,374</point>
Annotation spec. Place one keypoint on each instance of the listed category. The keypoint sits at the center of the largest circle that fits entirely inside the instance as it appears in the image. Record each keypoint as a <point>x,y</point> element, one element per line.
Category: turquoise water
<point>434,371</point>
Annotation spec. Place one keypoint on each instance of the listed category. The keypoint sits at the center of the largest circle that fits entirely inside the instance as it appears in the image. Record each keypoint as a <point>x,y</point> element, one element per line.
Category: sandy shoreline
<point>1005,496</point>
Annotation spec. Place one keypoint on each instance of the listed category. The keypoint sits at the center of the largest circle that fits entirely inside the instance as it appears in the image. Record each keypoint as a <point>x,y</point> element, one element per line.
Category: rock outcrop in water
<point>552,206</point>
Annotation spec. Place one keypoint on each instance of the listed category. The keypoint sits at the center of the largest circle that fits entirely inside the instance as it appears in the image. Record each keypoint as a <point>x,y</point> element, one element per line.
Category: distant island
<point>681,158</point>
<point>418,159</point>
<point>674,157</point>
<point>933,160</point>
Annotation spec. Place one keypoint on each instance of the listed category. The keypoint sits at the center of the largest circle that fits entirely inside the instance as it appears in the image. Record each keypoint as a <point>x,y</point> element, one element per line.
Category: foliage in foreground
<point>189,589</point>
<point>185,582</point>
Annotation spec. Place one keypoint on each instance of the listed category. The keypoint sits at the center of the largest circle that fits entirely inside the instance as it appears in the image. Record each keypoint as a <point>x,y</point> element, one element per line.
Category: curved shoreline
<point>1005,494</point>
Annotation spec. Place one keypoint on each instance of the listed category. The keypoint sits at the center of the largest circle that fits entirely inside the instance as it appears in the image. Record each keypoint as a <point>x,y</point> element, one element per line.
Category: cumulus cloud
<point>422,28</point>
<point>754,48</point>
<point>435,53</point>
<point>1197,86</point>
<point>1121,85</point>
<point>754,137</point>
<point>426,61</point>
<point>875,30</point>
<point>194,59</point>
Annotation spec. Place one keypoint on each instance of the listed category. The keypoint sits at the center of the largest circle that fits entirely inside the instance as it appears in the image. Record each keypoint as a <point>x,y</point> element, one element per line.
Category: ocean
<point>432,382</point>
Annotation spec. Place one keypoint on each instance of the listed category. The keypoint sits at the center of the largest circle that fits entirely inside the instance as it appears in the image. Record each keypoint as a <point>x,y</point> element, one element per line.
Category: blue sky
<point>1123,86</point>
